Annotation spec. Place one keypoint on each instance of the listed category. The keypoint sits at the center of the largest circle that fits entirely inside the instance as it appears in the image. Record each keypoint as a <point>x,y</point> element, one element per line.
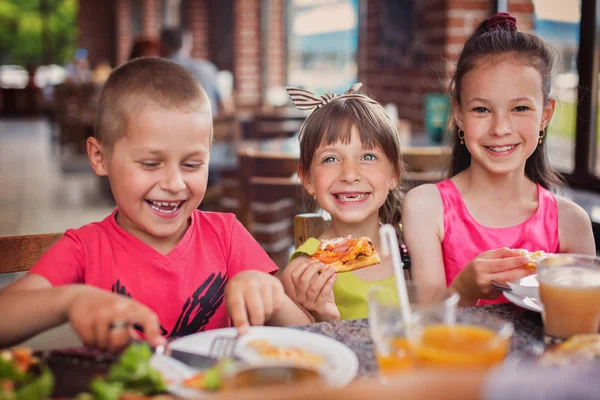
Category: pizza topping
<point>576,350</point>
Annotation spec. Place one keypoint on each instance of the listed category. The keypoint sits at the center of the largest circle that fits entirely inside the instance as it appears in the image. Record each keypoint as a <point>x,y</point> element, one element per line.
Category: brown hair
<point>497,37</point>
<point>334,121</point>
<point>141,82</point>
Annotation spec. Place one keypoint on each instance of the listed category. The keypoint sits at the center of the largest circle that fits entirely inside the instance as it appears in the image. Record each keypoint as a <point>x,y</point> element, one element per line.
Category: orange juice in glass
<point>392,347</point>
<point>463,340</point>
<point>570,293</point>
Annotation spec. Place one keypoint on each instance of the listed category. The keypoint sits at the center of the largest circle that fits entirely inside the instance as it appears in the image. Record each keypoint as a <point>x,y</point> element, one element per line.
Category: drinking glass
<point>570,293</point>
<point>466,340</point>
<point>388,330</point>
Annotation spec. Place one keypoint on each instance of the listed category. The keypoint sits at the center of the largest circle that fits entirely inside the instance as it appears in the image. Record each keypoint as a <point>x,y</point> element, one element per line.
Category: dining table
<point>74,368</point>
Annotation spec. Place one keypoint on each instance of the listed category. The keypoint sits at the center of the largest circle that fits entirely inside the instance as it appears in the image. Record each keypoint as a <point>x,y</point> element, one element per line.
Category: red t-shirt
<point>184,287</point>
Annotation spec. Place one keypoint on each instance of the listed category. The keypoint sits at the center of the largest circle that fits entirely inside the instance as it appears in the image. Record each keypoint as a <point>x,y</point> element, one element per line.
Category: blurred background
<point>56,54</point>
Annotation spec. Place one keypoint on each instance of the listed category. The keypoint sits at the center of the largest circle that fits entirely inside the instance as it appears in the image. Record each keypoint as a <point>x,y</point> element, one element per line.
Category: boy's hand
<point>314,290</point>
<point>252,297</point>
<point>504,265</point>
<point>105,320</point>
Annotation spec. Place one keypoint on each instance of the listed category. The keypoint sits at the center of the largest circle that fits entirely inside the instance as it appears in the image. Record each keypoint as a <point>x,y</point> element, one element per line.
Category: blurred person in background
<point>78,71</point>
<point>176,45</point>
<point>144,46</point>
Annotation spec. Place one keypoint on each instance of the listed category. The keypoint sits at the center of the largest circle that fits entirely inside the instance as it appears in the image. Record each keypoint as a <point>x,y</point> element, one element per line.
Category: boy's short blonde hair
<point>142,82</point>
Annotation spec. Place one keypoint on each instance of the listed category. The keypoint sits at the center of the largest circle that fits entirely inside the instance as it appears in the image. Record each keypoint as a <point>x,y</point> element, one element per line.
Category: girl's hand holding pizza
<point>313,283</point>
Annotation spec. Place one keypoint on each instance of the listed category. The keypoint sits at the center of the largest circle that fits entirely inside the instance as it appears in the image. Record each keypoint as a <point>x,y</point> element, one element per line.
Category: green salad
<point>131,374</point>
<point>18,381</point>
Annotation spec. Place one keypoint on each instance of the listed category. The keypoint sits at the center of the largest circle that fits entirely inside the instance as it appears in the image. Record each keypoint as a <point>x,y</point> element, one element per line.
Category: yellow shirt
<point>350,292</point>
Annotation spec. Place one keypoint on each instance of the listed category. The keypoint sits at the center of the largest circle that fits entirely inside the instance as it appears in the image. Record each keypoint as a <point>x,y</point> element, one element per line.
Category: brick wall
<point>151,10</point>
<point>123,30</point>
<point>247,53</point>
<point>276,68</point>
<point>444,27</point>
<point>199,26</point>
<point>95,20</point>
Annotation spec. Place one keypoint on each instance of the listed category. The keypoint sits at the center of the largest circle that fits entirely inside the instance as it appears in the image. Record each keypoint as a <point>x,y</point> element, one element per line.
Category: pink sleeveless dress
<point>465,238</point>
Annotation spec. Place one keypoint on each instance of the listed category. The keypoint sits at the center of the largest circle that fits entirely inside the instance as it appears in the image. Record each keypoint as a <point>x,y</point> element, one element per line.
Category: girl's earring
<point>314,196</point>
<point>461,136</point>
<point>542,134</point>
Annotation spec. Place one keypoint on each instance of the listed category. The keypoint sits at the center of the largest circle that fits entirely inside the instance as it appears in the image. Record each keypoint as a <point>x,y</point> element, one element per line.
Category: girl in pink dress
<point>464,231</point>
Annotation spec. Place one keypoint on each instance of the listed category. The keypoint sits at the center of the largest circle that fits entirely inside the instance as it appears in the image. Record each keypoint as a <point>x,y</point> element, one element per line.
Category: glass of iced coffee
<point>570,292</point>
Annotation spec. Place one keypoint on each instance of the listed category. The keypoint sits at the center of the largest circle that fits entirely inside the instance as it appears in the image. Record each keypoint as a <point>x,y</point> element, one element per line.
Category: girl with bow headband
<point>350,162</point>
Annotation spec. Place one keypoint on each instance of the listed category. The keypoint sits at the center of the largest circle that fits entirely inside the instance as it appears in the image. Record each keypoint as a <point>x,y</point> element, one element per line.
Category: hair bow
<point>501,20</point>
<point>305,100</point>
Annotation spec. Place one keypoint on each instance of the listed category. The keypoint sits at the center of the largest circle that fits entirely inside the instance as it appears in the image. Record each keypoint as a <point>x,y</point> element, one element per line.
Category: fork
<point>223,346</point>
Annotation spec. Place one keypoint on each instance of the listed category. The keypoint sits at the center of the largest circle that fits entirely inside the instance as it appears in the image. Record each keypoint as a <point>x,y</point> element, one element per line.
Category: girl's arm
<point>423,226</point>
<point>574,228</point>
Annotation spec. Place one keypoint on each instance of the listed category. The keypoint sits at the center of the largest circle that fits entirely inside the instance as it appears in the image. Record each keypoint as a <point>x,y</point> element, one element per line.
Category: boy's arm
<point>289,313</point>
<point>31,305</point>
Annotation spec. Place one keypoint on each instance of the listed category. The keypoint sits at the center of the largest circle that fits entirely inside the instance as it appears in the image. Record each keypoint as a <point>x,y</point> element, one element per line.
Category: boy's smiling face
<point>158,172</point>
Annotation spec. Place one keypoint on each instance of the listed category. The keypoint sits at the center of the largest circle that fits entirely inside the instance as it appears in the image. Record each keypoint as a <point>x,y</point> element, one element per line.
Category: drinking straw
<point>390,247</point>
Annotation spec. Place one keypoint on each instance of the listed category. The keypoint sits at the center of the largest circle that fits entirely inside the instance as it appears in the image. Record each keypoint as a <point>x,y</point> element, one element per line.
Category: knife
<point>193,360</point>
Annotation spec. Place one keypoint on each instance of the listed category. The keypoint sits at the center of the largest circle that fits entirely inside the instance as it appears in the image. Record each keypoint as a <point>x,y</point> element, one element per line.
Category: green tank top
<point>351,292</point>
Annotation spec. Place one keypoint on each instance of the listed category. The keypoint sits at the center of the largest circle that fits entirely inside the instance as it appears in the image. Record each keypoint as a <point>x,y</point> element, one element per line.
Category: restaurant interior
<point>402,51</point>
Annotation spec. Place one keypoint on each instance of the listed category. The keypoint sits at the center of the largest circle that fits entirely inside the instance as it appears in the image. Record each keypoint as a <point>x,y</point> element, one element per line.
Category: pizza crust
<point>360,262</point>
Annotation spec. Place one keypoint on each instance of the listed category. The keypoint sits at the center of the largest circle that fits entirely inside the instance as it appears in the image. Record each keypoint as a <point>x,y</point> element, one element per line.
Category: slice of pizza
<point>535,256</point>
<point>574,351</point>
<point>347,254</point>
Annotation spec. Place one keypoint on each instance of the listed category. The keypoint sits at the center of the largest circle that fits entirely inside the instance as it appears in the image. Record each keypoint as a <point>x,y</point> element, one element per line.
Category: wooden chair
<point>273,204</point>
<point>265,195</point>
<point>313,225</point>
<point>20,253</point>
<point>256,164</point>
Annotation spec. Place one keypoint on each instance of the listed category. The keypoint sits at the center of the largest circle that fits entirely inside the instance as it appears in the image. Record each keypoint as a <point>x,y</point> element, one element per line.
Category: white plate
<point>526,287</point>
<point>341,368</point>
<point>530,303</point>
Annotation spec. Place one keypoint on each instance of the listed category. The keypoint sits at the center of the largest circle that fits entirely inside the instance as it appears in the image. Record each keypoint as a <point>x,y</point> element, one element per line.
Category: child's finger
<point>236,305</point>
<point>254,304</point>
<point>317,284</point>
<point>304,282</point>
<point>102,326</point>
<point>85,331</point>
<point>502,252</point>
<point>150,325</point>
<point>267,300</point>
<point>328,287</point>
<point>299,269</point>
<point>118,338</point>
<point>512,274</point>
<point>505,264</point>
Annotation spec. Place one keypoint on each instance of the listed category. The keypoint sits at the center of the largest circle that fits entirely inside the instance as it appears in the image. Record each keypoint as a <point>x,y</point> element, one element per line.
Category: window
<point>322,37</point>
<point>557,22</point>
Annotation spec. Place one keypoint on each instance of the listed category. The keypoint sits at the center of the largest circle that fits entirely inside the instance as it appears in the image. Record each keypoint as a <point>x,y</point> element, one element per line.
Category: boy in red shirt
<point>172,269</point>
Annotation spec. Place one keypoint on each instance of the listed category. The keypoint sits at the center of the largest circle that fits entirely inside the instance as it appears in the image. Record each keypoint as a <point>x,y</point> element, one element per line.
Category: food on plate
<point>535,256</point>
<point>21,376</point>
<point>574,351</point>
<point>347,253</point>
<point>212,378</point>
<point>131,377</point>
<point>293,355</point>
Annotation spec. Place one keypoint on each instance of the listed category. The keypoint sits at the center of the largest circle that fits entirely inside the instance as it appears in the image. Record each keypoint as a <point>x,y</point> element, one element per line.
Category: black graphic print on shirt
<point>197,309</point>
